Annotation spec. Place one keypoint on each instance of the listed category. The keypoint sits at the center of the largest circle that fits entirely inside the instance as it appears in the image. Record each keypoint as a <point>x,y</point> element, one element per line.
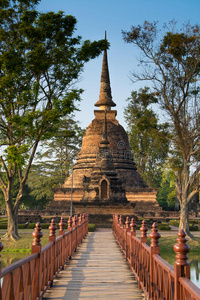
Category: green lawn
<point>23,244</point>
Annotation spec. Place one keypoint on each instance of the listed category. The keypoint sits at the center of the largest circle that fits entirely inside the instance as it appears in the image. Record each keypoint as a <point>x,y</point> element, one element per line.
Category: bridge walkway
<point>98,270</point>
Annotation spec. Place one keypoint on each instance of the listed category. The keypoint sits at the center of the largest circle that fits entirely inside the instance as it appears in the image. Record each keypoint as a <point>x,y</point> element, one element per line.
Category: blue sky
<point>96,16</point>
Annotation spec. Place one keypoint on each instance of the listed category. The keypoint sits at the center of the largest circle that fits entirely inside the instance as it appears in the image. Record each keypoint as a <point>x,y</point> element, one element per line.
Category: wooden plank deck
<point>98,270</point>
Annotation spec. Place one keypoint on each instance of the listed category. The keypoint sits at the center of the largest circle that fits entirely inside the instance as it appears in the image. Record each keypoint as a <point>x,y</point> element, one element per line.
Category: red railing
<point>31,276</point>
<point>157,278</point>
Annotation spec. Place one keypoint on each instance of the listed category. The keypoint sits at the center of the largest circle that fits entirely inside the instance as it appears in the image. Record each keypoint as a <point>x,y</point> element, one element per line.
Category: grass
<point>167,252</point>
<point>23,244</point>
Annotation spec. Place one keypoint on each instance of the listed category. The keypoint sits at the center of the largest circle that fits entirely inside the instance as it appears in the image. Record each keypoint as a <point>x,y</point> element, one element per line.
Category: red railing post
<point>62,226</point>
<point>52,238</point>
<point>36,248</point>
<point>70,236</point>
<point>154,249</point>
<point>80,229</point>
<point>83,225</point>
<point>133,227</point>
<point>86,218</point>
<point>133,233</point>
<point>127,229</point>
<point>120,220</point>
<point>115,225</point>
<point>121,231</point>
<point>143,239</point>
<point>69,224</point>
<point>181,266</point>
<point>74,232</point>
<point>1,248</point>
<point>62,232</point>
<point>143,230</point>
<point>73,221</point>
<point>87,223</point>
<point>76,220</point>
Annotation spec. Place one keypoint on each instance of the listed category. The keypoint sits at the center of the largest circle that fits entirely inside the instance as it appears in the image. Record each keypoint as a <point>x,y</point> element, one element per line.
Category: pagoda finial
<point>104,140</point>
<point>105,97</point>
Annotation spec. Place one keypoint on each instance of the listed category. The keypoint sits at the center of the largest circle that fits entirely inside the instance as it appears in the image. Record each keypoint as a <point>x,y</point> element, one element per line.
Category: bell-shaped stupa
<point>104,171</point>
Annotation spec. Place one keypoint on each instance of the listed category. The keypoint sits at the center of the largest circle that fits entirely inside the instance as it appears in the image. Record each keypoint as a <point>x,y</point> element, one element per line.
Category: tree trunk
<point>12,228</point>
<point>184,220</point>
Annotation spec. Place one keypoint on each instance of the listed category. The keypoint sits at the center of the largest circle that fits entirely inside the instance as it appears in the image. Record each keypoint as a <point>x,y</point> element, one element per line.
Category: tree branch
<point>193,177</point>
<point>3,185</point>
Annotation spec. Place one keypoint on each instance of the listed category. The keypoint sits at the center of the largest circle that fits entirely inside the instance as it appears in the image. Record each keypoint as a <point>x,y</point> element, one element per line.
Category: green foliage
<point>193,227</point>
<point>53,163</point>
<point>32,226</point>
<point>59,152</point>
<point>148,139</point>
<point>193,224</point>
<point>170,61</point>
<point>16,155</point>
<point>174,222</point>
<point>41,59</point>
<point>91,227</point>
<point>163,226</point>
<point>167,192</point>
<point>3,225</point>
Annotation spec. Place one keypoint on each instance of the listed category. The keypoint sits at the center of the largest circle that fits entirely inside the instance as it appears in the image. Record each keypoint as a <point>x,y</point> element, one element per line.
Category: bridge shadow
<point>70,282</point>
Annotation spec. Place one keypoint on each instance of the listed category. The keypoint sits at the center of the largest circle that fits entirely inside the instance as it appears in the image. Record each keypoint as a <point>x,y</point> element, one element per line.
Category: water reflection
<point>194,263</point>
<point>10,258</point>
<point>195,271</point>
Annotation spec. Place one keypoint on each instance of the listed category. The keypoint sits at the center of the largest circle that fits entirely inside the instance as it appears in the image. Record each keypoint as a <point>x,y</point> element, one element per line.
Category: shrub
<point>193,222</point>
<point>3,226</point>
<point>91,227</point>
<point>164,226</point>
<point>194,227</point>
<point>174,222</point>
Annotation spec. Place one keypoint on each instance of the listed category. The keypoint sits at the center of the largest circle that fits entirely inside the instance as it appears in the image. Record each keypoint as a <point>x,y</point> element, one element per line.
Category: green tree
<point>54,162</point>
<point>40,60</point>
<point>148,139</point>
<point>171,61</point>
<point>167,191</point>
<point>60,151</point>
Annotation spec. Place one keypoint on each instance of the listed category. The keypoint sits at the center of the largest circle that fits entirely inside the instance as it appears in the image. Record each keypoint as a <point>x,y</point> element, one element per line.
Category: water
<point>194,262</point>
<point>195,271</point>
<point>9,258</point>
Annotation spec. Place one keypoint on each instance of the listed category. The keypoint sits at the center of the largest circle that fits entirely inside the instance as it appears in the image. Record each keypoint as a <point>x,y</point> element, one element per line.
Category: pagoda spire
<point>105,97</point>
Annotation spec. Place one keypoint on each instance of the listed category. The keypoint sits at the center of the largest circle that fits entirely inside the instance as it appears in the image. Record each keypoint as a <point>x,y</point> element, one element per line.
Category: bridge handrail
<point>17,264</point>
<point>30,277</point>
<point>157,278</point>
<point>188,289</point>
<point>162,281</point>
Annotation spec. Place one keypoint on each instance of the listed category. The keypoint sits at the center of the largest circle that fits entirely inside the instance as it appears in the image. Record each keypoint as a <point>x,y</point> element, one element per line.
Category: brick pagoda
<point>105,177</point>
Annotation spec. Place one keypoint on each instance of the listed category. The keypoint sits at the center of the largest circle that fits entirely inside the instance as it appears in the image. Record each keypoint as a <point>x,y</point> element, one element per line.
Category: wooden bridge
<point>98,268</point>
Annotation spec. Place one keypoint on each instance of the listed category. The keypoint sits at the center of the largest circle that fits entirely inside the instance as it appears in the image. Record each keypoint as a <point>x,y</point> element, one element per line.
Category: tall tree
<point>149,140</point>
<point>171,61</point>
<point>40,60</point>
<point>60,151</point>
<point>53,163</point>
